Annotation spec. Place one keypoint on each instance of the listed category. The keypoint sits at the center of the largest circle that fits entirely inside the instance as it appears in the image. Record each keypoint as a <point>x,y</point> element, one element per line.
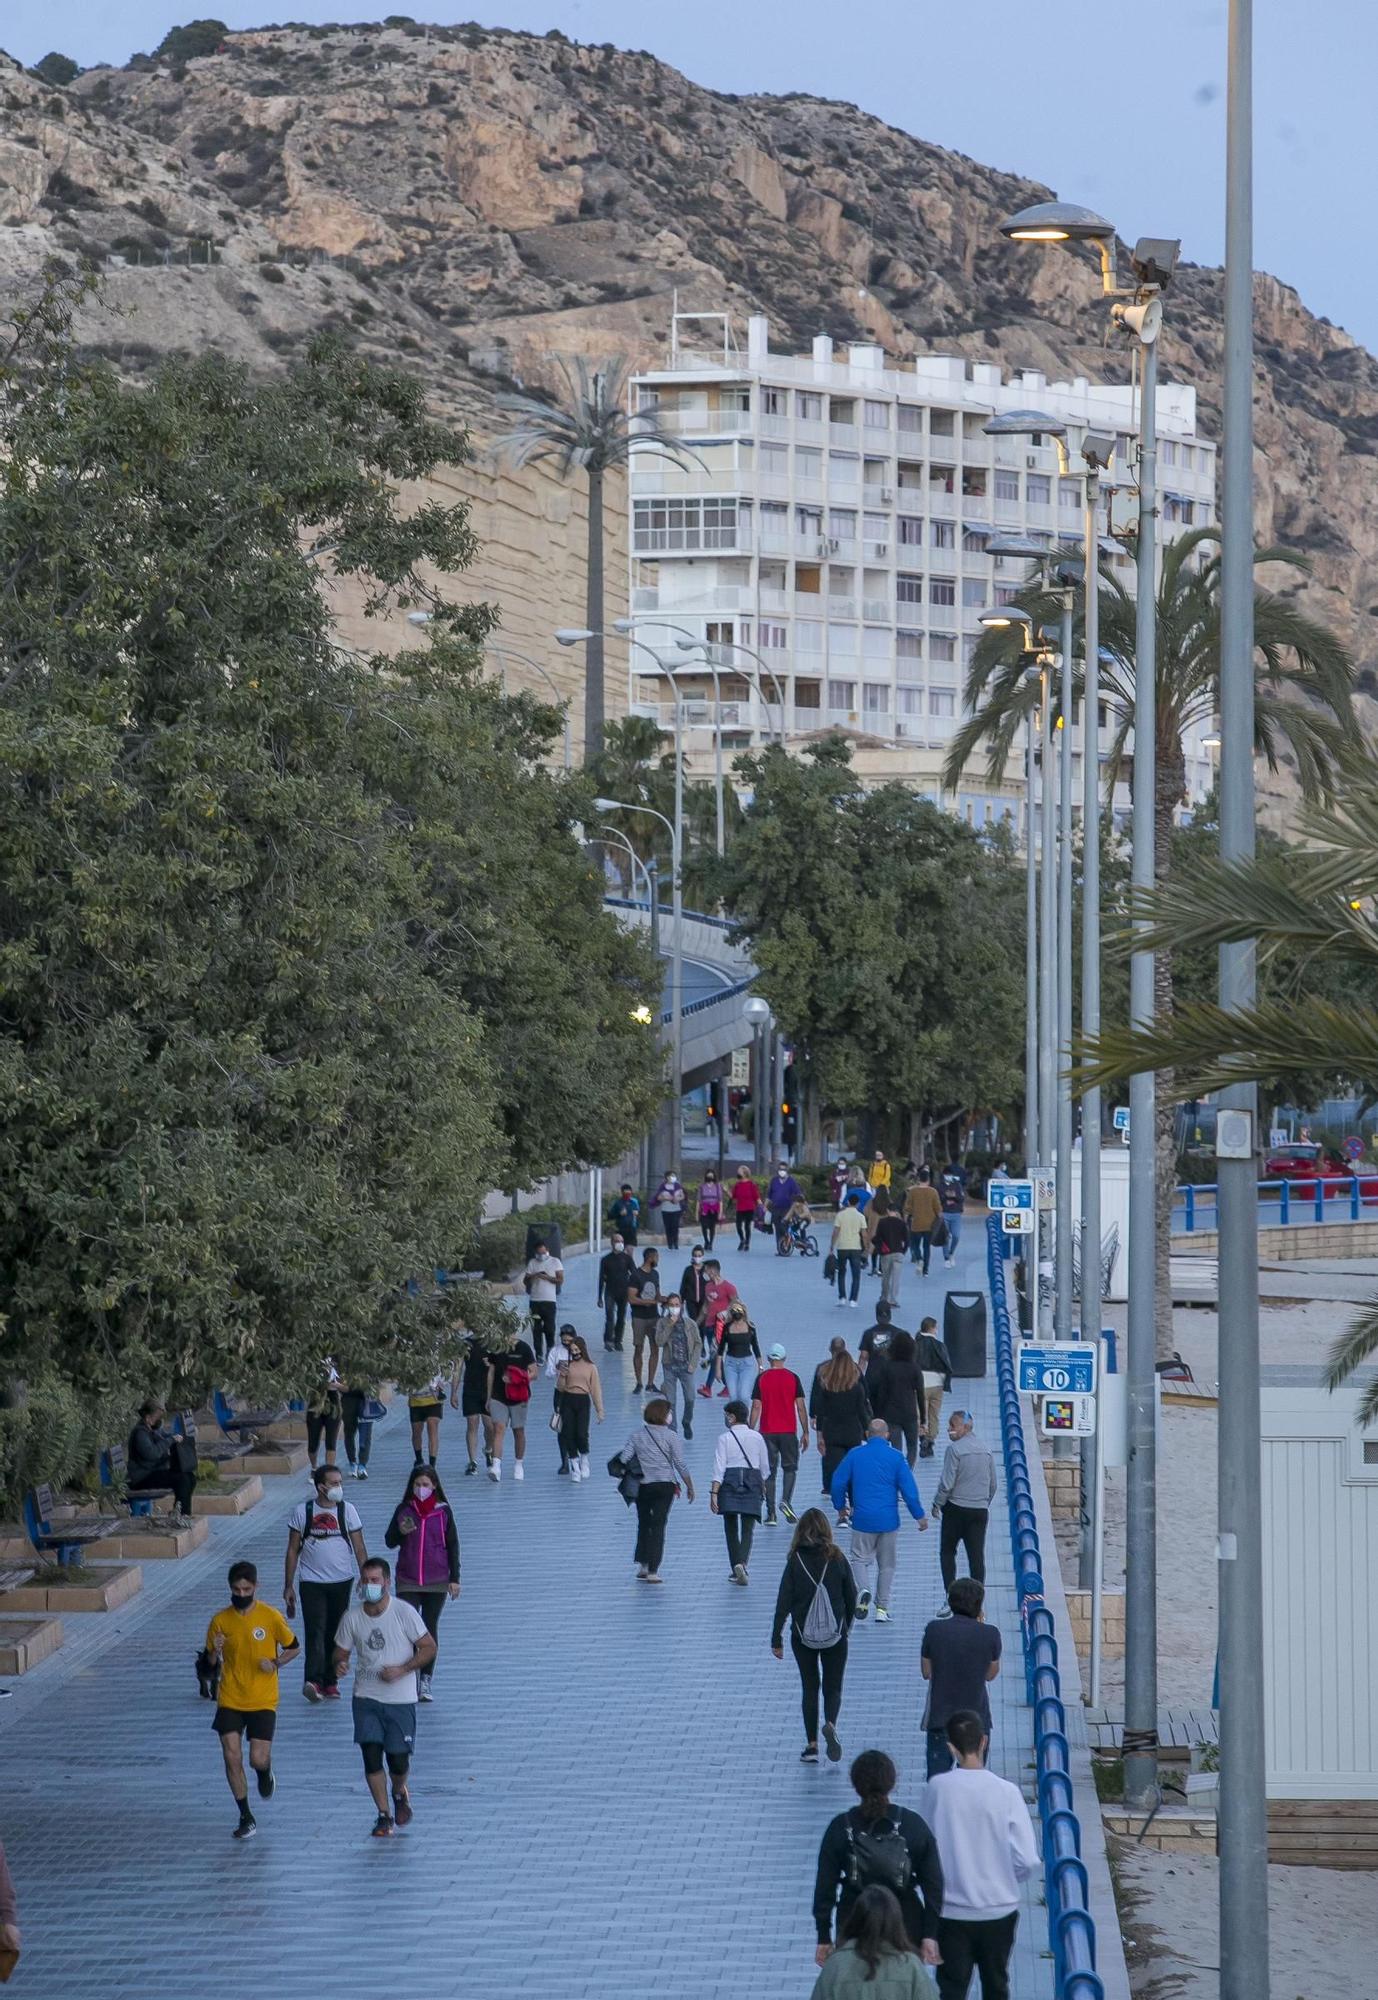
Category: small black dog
<point>208,1674</point>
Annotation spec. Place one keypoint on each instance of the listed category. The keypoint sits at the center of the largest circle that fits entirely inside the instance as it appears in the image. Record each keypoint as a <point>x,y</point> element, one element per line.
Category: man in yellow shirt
<point>850,1240</point>
<point>250,1642</point>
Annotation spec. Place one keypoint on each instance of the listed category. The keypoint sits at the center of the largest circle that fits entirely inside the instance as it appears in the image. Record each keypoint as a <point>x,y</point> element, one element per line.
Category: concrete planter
<point>93,1587</point>
<point>26,1641</point>
<point>228,1496</point>
<point>278,1461</point>
<point>150,1541</point>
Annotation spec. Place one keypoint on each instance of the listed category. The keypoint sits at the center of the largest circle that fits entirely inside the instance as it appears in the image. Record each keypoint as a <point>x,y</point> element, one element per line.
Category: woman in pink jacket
<point>423,1531</point>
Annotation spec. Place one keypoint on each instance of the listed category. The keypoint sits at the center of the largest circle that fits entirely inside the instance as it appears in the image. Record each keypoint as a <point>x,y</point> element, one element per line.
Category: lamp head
<point>756,1010</point>
<point>1024,423</point>
<point>1154,259</point>
<point>623,625</point>
<point>573,635</point>
<point>607,805</point>
<point>1057,222</point>
<point>1098,449</point>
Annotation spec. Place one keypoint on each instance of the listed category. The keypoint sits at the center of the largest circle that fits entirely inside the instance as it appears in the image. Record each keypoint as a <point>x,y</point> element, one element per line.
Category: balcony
<point>692,541</point>
<point>699,423</point>
<point>842,548</point>
<point>876,551</point>
<point>943,506</point>
<point>808,430</point>
<point>772,600</point>
<point>775,427</point>
<point>1040,515</point>
<point>845,437</point>
<point>942,617</point>
<point>877,611</point>
<point>774,541</point>
<point>1007,510</point>
<point>913,617</point>
<point>691,596</point>
<point>840,607</point>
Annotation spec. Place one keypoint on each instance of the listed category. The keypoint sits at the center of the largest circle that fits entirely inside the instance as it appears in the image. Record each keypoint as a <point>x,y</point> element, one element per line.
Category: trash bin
<point>964,1332</point>
<point>542,1232</point>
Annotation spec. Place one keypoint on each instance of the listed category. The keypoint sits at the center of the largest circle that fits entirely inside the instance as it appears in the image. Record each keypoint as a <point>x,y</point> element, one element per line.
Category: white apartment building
<point>837,519</point>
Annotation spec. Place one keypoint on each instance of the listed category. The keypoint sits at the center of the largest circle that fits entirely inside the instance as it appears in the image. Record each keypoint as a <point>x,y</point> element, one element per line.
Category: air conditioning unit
<point>1031,460</point>
<point>825,548</point>
<point>880,548</point>
<point>887,493</point>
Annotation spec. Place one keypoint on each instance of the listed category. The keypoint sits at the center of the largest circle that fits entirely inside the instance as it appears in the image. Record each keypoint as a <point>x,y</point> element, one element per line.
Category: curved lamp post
<point>677,976</point>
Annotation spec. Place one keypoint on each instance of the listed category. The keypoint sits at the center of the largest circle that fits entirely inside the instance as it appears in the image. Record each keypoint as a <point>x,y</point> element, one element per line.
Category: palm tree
<point>1303,700</point>
<point>588,428</point>
<point>1314,904</point>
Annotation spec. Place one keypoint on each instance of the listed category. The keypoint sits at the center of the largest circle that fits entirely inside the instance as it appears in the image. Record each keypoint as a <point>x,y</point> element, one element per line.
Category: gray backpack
<point>822,1627</point>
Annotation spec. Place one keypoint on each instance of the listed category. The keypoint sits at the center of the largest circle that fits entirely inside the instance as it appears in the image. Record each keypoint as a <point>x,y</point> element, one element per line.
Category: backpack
<point>307,1533</point>
<point>878,1857</point>
<point>821,1627</point>
<point>516,1384</point>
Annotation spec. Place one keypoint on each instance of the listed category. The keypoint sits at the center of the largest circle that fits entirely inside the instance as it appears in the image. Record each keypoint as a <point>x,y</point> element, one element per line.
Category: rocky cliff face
<point>470,201</point>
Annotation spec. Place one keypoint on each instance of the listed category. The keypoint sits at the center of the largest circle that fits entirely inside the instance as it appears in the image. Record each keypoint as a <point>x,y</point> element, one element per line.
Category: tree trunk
<point>811,1124</point>
<point>593,613</point>
<point>1169,792</point>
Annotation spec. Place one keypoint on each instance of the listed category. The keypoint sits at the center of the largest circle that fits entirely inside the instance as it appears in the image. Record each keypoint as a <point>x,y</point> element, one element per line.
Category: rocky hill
<point>471,201</point>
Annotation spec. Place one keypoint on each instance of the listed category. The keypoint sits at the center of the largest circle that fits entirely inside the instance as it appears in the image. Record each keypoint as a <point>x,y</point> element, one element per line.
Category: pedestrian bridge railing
<point>1071,1928</point>
<point>1311,1198</point>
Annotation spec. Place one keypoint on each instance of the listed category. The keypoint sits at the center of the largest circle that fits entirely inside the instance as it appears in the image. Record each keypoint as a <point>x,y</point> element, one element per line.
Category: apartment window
<point>808,635</point>
<point>910,420</point>
<point>940,423</point>
<point>909,589</point>
<point>843,468</point>
<point>875,697</point>
<point>1038,488</point>
<point>808,694</point>
<point>974,483</point>
<point>647,399</point>
<point>808,464</point>
<point>908,648</point>
<point>941,646</point>
<point>774,524</point>
<point>974,541</point>
<point>875,528</point>
<point>842,524</point>
<point>687,523</point>
<point>973,592</point>
<point>1068,495</point>
<point>809,521</point>
<point>1006,593</point>
<point>875,644</point>
<point>1169,451</point>
<point>841,696</point>
<point>943,534</point>
<point>909,701</point>
<point>877,416</point>
<point>942,590</point>
<point>774,402</point>
<point>842,642</point>
<point>1188,512</point>
<point>941,479</point>
<point>911,531</point>
<point>972,429</point>
<point>942,701</point>
<point>1188,457</point>
<point>1006,485</point>
<point>809,408</point>
<point>775,460</point>
<point>771,637</point>
<point>969,645</point>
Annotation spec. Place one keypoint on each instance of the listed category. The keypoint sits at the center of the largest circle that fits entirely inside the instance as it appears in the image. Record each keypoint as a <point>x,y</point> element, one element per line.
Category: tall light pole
<point>757,1011</point>
<point>1243,1817</point>
<point>1153,261</point>
<point>1062,1253</point>
<point>677,976</point>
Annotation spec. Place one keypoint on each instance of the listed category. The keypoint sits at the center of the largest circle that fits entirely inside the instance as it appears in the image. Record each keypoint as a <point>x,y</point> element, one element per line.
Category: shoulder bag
<point>742,1489</point>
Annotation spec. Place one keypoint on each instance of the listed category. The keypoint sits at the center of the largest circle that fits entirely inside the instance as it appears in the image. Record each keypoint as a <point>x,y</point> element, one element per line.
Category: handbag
<point>937,1235</point>
<point>830,1267</point>
<point>742,1489</point>
<point>627,1472</point>
<point>932,1379</point>
<point>374,1410</point>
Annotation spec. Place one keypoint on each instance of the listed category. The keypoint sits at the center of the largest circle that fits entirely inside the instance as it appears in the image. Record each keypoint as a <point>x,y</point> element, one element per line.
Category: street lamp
<point>501,654</point>
<point>1153,261</point>
<point>677,975</point>
<point>757,1012</point>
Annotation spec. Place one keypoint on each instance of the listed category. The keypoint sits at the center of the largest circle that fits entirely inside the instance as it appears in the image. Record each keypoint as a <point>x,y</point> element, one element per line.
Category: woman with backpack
<point>818,1595</point>
<point>741,1467</point>
<point>874,1959</point>
<point>840,1408</point>
<point>879,1845</point>
<point>656,1450</point>
<point>423,1531</point>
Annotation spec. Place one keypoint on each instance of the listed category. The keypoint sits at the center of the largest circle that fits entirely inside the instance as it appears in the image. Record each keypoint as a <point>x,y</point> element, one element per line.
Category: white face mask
<point>334,1494</point>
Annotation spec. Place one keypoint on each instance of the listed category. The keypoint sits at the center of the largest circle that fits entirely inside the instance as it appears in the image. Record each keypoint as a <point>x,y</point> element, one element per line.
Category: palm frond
<point>588,425</point>
<point>1205,1048</point>
<point>1355,1347</point>
<point>1272,900</point>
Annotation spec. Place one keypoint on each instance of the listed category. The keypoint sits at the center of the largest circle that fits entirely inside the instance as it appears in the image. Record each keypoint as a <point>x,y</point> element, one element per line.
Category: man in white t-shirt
<point>390,1644</point>
<point>325,1551</point>
<point>987,1847</point>
<point>543,1278</point>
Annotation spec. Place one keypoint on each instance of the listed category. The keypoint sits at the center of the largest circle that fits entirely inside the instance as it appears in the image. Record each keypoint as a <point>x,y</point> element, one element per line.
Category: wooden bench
<point>68,1539</point>
<point>215,1451</point>
<point>114,1469</point>
<point>239,1423</point>
<point>14,1579</point>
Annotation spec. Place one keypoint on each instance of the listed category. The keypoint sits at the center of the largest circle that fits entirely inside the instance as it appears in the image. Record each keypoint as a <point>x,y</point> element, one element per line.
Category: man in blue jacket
<point>872,1480</point>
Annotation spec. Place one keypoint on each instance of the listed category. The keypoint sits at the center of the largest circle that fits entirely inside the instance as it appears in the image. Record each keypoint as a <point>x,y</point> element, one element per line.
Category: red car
<point>1302,1163</point>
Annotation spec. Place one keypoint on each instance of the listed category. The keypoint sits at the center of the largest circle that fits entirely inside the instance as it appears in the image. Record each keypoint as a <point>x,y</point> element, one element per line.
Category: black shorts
<point>257,1724</point>
<point>421,1411</point>
<point>473,1405</point>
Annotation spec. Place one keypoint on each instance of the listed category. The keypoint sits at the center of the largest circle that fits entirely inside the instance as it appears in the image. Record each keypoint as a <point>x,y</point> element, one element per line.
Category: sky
<point>1114,104</point>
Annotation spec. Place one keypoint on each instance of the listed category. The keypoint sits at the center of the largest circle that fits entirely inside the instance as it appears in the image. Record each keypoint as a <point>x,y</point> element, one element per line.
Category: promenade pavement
<point>607,1787</point>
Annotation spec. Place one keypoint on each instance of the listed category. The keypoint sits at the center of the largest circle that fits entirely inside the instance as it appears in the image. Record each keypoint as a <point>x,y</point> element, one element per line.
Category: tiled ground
<point>607,1787</point>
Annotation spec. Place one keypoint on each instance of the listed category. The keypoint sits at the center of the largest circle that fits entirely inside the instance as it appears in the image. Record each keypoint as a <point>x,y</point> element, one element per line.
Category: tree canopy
<point>299,956</point>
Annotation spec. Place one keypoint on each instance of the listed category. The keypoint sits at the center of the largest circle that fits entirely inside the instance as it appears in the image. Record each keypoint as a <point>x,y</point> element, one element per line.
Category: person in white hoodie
<point>987,1847</point>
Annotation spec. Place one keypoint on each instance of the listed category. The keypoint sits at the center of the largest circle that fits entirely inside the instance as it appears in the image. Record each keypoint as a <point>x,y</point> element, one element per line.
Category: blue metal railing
<point>1337,1198</point>
<point>1071,1928</point>
<point>690,916</point>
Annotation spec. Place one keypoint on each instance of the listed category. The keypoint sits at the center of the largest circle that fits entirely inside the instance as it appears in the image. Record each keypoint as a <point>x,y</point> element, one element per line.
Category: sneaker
<point>882,1615</point>
<point>641,1571</point>
<point>382,1827</point>
<point>863,1606</point>
<point>636,1388</point>
<point>572,1469</point>
<point>723,1393</point>
<point>267,1783</point>
<point>772,1521</point>
<point>311,1691</point>
<point>519,1470</point>
<point>707,1389</point>
<point>247,1828</point>
<point>363,1472</point>
<point>585,1470</point>
<point>651,1577</point>
<point>852,1304</point>
<point>830,1737</point>
<point>809,1754</point>
<point>401,1809</point>
<point>739,1573</point>
<point>471,1468</point>
<point>688,1428</point>
<point>353,1471</point>
<point>423,1688</point>
<point>788,1511</point>
<point>330,1694</point>
<point>563,1473</point>
<point>494,1471</point>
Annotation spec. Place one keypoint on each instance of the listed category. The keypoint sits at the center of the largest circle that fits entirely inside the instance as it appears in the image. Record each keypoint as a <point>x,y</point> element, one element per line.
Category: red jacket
<point>746,1196</point>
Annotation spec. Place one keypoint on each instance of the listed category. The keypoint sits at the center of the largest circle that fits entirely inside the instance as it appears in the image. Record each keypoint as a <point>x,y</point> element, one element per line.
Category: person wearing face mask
<point>616,1269</point>
<point>677,1342</point>
<point>251,1643</point>
<point>393,1646</point>
<point>543,1278</point>
<point>693,1286</point>
<point>577,1392</point>
<point>423,1530</point>
<point>325,1546</point>
<point>741,1353</point>
<point>710,1207</point>
<point>670,1198</point>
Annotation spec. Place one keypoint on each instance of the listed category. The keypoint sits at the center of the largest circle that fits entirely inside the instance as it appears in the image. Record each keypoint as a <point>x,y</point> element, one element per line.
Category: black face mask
<point>242,1603</point>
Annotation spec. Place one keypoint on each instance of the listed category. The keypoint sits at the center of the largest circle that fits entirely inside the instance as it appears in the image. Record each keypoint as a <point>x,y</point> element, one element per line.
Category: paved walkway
<point>607,1788</point>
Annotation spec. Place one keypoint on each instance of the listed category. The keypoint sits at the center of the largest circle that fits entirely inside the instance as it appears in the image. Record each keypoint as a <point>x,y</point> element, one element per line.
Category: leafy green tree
<point>56,68</point>
<point>196,38</point>
<point>1310,910</point>
<point>888,938</point>
<point>282,989</point>
<point>588,429</point>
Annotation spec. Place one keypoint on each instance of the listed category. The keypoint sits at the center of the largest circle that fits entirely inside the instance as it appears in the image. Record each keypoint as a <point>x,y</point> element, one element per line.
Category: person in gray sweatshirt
<point>962,1501</point>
